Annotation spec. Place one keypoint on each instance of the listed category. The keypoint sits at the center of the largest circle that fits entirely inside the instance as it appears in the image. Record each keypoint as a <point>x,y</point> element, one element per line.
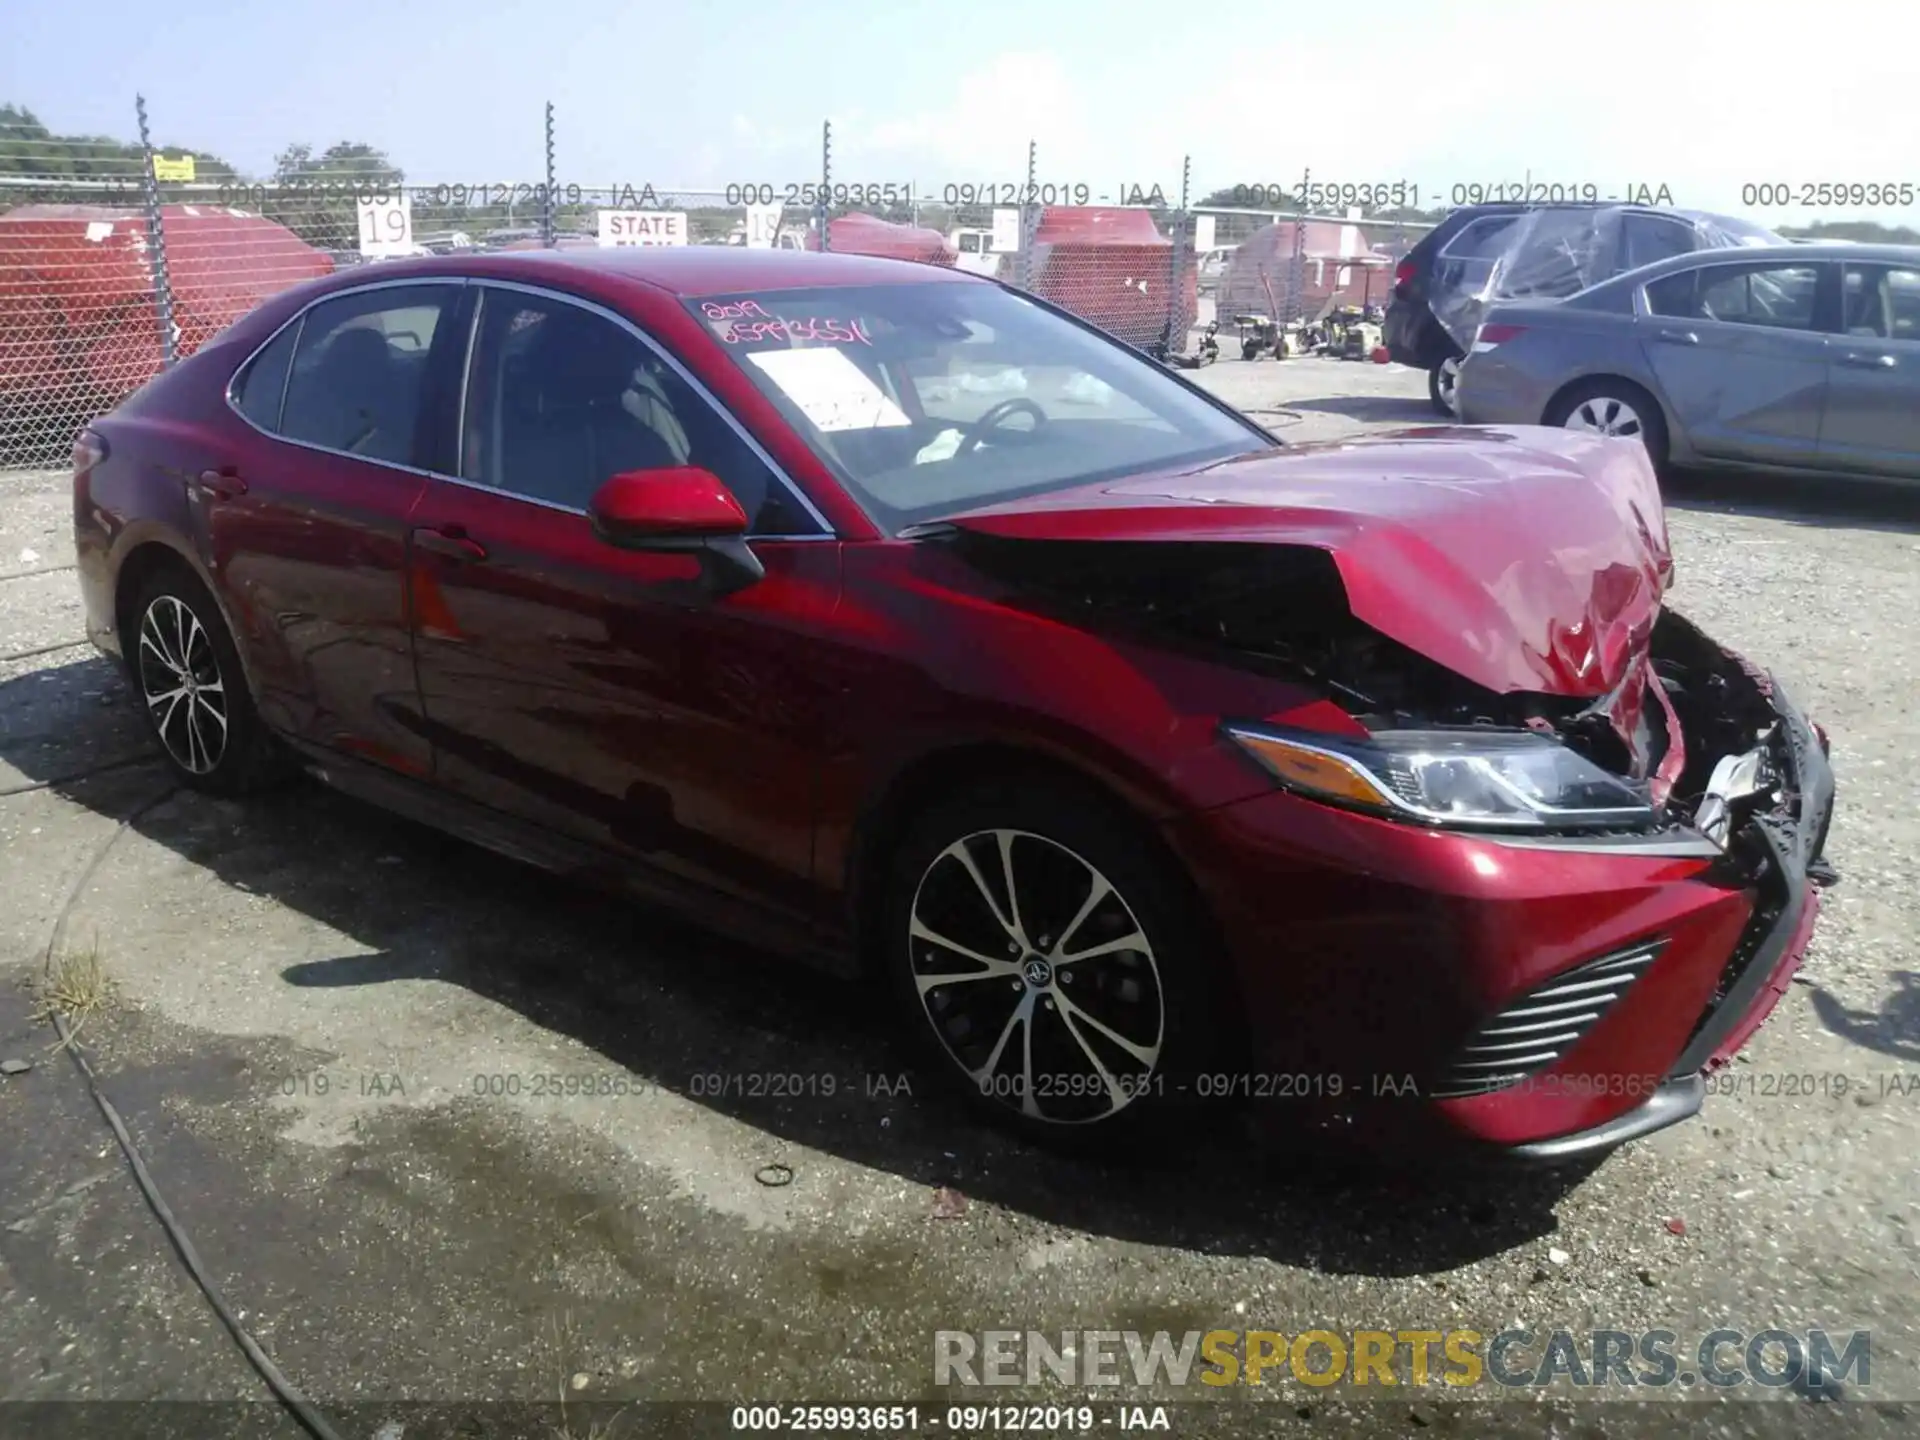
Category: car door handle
<point>452,542</point>
<point>222,484</point>
<point>1870,362</point>
<point>1680,337</point>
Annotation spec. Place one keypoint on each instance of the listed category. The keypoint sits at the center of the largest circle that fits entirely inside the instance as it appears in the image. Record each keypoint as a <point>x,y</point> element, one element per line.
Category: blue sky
<point>1702,96</point>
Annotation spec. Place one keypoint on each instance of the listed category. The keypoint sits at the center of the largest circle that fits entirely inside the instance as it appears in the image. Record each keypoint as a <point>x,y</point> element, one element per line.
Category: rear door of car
<point>593,690</point>
<point>1412,328</point>
<point>1873,399</point>
<point>1466,272</point>
<point>306,521</point>
<point>1741,351</point>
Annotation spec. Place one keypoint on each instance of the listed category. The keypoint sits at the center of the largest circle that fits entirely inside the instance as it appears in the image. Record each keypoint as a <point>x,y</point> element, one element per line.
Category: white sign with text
<point>1006,232</point>
<point>643,227</point>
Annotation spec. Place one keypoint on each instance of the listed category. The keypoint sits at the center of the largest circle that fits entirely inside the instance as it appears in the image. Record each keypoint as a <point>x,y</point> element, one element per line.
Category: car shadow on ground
<point>682,1009</point>
<point>1375,409</point>
<point>1824,504</point>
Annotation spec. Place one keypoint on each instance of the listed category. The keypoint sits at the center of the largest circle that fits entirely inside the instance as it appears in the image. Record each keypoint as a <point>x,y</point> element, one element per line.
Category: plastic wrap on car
<point>1548,254</point>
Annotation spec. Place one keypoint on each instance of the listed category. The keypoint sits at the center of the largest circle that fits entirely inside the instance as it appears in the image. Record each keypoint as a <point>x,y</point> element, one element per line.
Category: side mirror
<point>680,509</point>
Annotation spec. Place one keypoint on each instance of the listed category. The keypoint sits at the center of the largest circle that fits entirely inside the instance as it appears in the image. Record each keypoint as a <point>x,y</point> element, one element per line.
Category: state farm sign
<point>643,227</point>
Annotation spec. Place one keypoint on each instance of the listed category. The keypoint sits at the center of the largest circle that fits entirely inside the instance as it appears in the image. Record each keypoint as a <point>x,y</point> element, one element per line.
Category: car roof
<point>1517,207</point>
<point>1788,252</point>
<point>689,270</point>
<point>1837,250</point>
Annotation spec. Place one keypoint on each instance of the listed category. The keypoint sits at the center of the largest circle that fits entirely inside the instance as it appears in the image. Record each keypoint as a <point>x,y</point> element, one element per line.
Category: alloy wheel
<point>1448,380</point>
<point>1037,978</point>
<point>181,683</point>
<point>1605,415</point>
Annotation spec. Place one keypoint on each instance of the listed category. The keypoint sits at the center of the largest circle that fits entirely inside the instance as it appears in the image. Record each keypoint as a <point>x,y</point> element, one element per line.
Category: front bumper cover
<point>1792,866</point>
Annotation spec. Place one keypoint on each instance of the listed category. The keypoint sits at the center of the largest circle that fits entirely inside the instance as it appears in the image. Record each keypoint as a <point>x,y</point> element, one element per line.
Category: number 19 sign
<point>643,227</point>
<point>386,225</point>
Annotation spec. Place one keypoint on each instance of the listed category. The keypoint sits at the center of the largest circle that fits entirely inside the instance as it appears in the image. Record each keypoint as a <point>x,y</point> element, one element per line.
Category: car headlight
<point>1508,780</point>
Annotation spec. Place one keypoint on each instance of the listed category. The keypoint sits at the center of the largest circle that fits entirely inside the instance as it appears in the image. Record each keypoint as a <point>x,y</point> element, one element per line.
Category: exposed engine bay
<point>1691,723</point>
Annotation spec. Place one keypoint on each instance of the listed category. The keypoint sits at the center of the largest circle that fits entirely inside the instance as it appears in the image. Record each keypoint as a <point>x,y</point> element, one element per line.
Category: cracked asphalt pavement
<point>447,1131</point>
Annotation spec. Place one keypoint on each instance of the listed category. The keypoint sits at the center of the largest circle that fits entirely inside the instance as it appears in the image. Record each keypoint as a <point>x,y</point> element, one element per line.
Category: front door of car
<point>306,521</point>
<point>1741,350</point>
<point>595,690</point>
<point>1873,397</point>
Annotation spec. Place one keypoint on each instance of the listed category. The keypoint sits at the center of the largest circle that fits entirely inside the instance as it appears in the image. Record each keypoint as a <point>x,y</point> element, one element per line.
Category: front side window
<point>932,398</point>
<point>360,370</point>
<point>1882,302</point>
<point>561,399</point>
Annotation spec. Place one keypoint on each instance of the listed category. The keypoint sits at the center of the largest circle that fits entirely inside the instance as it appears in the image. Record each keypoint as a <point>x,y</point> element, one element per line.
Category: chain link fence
<point>120,257</point>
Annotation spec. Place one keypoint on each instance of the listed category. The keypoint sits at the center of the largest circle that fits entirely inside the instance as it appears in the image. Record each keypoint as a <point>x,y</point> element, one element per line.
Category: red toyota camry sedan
<point>893,618</point>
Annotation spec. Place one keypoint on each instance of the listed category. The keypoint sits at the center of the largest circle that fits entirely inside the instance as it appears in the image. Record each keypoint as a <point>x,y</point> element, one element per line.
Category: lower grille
<point>1542,1025</point>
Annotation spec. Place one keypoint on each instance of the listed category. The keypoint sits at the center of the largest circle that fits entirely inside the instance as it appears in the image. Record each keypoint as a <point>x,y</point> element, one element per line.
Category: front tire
<point>1048,963</point>
<point>1442,380</point>
<point>193,690</point>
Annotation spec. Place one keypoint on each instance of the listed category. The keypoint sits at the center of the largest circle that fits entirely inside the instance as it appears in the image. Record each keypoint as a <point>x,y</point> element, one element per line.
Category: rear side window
<point>260,386</point>
<point>1466,262</point>
<point>359,371</point>
<point>1780,297</point>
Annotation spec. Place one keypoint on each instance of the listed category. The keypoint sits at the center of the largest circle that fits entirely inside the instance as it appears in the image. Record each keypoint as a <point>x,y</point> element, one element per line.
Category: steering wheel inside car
<point>988,422</point>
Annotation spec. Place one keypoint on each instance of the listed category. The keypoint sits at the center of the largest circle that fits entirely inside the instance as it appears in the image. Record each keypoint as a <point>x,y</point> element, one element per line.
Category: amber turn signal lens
<point>1314,771</point>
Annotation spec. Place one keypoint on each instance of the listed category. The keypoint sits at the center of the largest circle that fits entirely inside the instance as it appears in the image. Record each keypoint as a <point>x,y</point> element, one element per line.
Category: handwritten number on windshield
<point>746,321</point>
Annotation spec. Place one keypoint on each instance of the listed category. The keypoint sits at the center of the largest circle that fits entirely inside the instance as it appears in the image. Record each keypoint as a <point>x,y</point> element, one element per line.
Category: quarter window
<point>560,400</point>
<point>360,371</point>
<point>260,388</point>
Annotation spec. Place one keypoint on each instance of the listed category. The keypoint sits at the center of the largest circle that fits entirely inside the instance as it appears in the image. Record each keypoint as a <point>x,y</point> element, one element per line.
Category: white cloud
<point>983,130</point>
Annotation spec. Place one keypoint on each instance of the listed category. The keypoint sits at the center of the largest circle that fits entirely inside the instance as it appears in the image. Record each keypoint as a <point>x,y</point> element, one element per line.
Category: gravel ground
<point>324,1025</point>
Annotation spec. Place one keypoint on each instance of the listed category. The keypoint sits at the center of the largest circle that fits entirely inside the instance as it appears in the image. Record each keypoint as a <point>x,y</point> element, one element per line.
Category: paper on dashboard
<point>830,389</point>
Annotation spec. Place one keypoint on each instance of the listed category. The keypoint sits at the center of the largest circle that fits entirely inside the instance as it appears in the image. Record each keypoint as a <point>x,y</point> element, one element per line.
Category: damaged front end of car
<point>1468,638</point>
<point>1691,742</point>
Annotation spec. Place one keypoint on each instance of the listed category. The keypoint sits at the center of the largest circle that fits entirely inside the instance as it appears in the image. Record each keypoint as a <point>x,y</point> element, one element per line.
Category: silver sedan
<point>1790,357</point>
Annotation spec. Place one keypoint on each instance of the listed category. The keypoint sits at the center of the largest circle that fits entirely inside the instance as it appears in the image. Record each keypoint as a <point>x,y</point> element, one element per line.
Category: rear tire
<point>1080,1051</point>
<point>193,690</point>
<point>1612,407</point>
<point>1441,381</point>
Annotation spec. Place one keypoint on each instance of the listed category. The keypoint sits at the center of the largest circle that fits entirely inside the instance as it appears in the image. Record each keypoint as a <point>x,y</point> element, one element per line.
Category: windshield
<point>931,399</point>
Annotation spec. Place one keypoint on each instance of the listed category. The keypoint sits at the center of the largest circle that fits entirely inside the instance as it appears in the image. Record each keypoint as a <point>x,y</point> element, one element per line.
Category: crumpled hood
<point>1520,557</point>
